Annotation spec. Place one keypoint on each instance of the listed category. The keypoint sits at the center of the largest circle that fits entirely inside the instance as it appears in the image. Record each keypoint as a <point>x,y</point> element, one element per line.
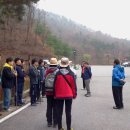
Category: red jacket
<point>62,90</point>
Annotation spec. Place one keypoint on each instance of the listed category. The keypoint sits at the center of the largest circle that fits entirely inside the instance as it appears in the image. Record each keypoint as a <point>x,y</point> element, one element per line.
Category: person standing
<point>34,75</point>
<point>118,80</point>
<point>49,84</point>
<point>87,75</point>
<point>19,83</point>
<point>65,90</point>
<point>8,76</point>
<point>82,73</point>
<point>41,86</point>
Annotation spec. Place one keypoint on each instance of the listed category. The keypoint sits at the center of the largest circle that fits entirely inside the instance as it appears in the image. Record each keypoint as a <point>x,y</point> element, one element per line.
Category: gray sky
<point>109,16</point>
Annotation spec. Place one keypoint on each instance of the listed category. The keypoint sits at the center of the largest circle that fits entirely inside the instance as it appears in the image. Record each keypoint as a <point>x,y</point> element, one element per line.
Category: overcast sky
<point>109,16</point>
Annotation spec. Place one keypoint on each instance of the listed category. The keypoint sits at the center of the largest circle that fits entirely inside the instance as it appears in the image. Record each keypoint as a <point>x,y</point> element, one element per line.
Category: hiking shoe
<point>44,96</point>
<point>115,107</point>
<point>49,124</point>
<point>33,104</point>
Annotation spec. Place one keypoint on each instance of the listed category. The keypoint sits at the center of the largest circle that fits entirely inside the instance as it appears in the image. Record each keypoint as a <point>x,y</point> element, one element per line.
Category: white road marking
<point>14,113</point>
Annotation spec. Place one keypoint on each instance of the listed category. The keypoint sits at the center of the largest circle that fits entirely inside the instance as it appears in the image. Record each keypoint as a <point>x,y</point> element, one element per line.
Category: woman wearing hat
<point>49,84</point>
<point>64,91</point>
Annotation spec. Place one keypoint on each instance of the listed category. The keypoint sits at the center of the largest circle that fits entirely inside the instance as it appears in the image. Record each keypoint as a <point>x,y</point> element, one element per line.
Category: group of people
<point>118,81</point>
<point>56,82</point>
<point>60,88</point>
<point>12,77</point>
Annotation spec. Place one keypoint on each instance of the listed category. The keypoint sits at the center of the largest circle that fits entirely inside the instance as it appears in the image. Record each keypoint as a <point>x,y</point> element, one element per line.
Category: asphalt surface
<point>93,113</point>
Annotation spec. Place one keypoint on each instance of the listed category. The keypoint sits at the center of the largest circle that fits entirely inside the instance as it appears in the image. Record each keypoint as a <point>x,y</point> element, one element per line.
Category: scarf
<point>9,66</point>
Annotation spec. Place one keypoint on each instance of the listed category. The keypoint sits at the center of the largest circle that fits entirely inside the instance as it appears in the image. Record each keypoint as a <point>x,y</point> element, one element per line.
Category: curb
<point>14,113</point>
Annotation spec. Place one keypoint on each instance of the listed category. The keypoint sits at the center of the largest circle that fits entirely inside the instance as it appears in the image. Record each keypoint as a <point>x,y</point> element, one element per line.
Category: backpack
<point>49,82</point>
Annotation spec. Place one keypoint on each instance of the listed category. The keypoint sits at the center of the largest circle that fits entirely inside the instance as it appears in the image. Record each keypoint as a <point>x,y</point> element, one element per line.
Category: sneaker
<point>19,105</point>
<point>49,124</point>
<point>54,125</point>
<point>82,88</point>
<point>87,95</point>
<point>62,129</point>
<point>71,129</point>
<point>7,110</point>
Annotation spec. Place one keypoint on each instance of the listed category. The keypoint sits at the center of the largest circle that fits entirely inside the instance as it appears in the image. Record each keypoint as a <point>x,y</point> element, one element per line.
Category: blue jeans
<point>6,98</point>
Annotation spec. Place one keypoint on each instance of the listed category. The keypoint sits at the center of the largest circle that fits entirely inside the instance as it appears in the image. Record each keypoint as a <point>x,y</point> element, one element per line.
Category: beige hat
<point>64,62</point>
<point>53,61</point>
<point>70,62</point>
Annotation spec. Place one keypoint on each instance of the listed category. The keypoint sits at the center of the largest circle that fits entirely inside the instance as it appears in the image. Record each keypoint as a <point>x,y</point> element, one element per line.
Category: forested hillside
<point>99,48</point>
<point>26,31</point>
<point>21,34</point>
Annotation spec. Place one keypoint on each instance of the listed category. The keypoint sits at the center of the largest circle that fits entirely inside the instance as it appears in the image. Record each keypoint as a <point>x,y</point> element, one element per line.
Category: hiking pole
<point>16,83</point>
<point>39,86</point>
<point>40,91</point>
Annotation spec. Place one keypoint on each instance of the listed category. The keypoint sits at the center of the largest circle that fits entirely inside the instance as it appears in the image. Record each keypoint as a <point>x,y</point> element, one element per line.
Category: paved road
<point>94,113</point>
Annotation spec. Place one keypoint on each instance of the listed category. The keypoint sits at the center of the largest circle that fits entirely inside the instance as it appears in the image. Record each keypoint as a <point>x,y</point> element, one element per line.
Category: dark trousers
<point>51,110</point>
<point>43,88</point>
<point>20,88</point>
<point>60,106</point>
<point>118,97</point>
<point>19,93</point>
<point>38,91</point>
<point>33,93</point>
<point>83,83</point>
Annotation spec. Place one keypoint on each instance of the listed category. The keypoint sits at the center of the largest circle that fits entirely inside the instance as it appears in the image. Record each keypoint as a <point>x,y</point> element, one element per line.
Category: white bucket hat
<point>64,62</point>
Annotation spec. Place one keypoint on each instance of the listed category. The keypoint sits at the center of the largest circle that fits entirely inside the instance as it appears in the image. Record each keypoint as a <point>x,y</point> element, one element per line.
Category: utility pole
<point>74,55</point>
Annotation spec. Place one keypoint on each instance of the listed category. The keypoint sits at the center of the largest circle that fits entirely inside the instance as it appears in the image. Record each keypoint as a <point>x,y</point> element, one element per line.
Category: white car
<point>126,64</point>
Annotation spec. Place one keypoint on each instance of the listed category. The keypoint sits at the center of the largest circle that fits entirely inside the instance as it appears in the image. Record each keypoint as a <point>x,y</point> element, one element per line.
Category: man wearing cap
<point>49,84</point>
<point>65,90</point>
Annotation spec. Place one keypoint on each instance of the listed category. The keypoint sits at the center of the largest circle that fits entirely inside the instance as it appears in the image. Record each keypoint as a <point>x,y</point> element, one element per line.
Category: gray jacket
<point>34,75</point>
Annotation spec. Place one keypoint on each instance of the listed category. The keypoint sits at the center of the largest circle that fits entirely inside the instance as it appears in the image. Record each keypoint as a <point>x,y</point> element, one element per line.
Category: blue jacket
<point>118,73</point>
<point>87,73</point>
<point>21,74</point>
<point>42,73</point>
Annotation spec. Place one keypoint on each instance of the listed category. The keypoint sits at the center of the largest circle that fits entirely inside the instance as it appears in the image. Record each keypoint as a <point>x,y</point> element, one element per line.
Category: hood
<point>51,69</point>
<point>64,71</point>
<point>7,65</point>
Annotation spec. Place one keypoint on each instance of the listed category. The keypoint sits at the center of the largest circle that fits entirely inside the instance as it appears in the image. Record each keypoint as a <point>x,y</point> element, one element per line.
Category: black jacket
<point>7,78</point>
<point>21,75</point>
